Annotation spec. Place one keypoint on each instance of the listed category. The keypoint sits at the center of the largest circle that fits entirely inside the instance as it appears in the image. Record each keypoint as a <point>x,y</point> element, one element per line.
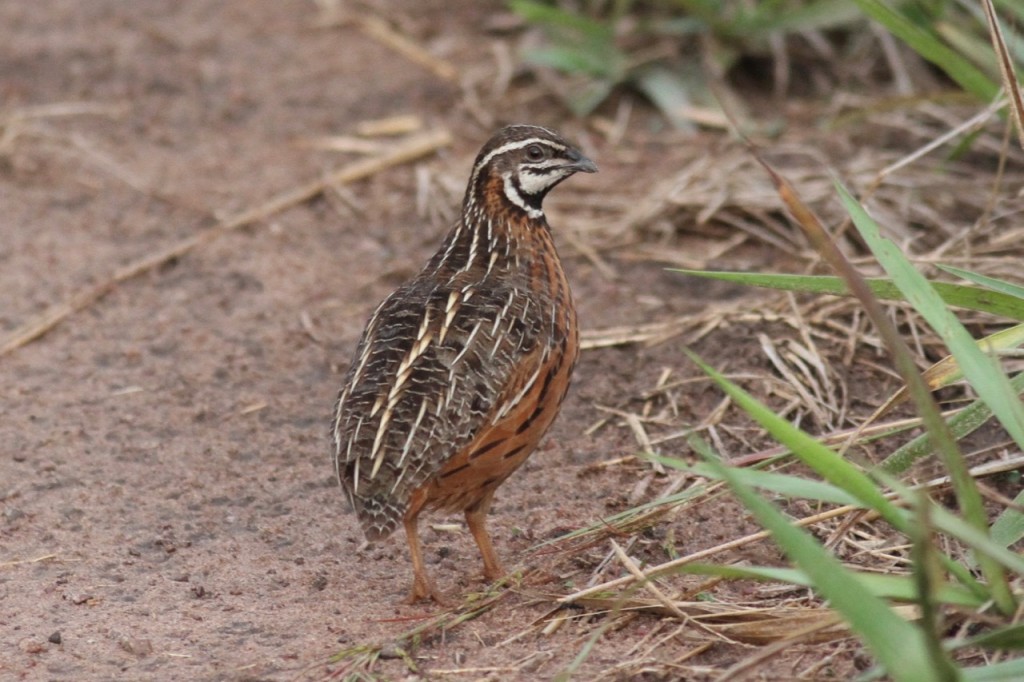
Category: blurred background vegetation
<point>675,51</point>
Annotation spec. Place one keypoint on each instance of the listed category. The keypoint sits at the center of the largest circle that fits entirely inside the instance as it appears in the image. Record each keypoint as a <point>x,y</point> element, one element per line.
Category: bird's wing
<point>433,368</point>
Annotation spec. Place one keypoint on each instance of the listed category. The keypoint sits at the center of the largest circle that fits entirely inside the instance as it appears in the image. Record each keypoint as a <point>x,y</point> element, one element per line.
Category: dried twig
<point>377,28</point>
<point>669,566</point>
<point>407,151</point>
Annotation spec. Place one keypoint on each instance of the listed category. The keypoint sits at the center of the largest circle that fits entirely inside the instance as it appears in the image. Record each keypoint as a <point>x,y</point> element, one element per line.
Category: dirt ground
<point>169,509</point>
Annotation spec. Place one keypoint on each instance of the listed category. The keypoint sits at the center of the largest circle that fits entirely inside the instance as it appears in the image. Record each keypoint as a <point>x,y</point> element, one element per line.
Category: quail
<point>460,371</point>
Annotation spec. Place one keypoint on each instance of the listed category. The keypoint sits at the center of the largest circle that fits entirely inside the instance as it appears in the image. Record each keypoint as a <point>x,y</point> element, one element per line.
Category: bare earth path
<point>167,505</point>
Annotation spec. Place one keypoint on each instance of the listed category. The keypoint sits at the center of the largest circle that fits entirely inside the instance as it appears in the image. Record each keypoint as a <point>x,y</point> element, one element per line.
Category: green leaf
<point>981,370</point>
<point>988,282</point>
<point>668,91</point>
<point>900,587</point>
<point>962,423</point>
<point>782,484</point>
<point>969,77</point>
<point>972,298</point>
<point>977,539</point>
<point>1010,637</point>
<point>822,459</point>
<point>897,644</point>
<point>556,18</point>
<point>823,15</point>
<point>1004,671</point>
<point>568,59</point>
<point>1009,526</point>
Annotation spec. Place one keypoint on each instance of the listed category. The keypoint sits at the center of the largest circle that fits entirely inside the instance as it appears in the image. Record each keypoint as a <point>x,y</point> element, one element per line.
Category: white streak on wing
<point>376,453</point>
<point>497,322</point>
<point>468,344</point>
<point>452,242</point>
<point>501,315</point>
<point>337,426</point>
<point>510,405</point>
<point>360,366</point>
<point>423,340</point>
<point>449,315</point>
<point>398,480</point>
<point>474,244</point>
<point>379,403</point>
<point>450,393</point>
<point>370,332</point>
<point>490,263</point>
<point>354,437</point>
<point>412,434</point>
<point>423,460</point>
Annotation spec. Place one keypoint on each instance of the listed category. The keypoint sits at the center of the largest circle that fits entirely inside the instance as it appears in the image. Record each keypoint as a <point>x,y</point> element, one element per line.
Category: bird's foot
<point>424,590</point>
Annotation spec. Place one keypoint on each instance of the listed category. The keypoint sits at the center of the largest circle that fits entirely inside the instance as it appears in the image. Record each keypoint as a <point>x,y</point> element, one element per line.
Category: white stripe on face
<point>520,144</point>
<point>533,180</point>
<point>513,195</point>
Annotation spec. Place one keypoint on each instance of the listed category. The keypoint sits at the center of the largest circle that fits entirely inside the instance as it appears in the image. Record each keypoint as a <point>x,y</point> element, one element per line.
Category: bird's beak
<point>581,164</point>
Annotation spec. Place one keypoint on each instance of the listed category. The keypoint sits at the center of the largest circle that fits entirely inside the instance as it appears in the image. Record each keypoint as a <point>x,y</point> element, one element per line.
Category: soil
<point>169,509</point>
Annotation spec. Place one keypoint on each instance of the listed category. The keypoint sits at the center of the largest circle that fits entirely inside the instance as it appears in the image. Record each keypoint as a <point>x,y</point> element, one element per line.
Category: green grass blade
<point>961,424</point>
<point>783,484</point>
<point>947,371</point>
<point>969,77</point>
<point>959,295</point>
<point>668,91</point>
<point>899,587</point>
<point>789,486</point>
<point>977,539</point>
<point>981,369</point>
<point>826,462</point>
<point>822,15</point>
<point>1009,526</point>
<point>1012,7</point>
<point>1004,671</point>
<point>1010,637</point>
<point>897,644</point>
<point>552,17</point>
<point>988,282</point>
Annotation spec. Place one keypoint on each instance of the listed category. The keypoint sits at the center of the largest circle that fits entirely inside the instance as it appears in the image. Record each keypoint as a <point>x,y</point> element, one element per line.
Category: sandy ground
<point>168,504</point>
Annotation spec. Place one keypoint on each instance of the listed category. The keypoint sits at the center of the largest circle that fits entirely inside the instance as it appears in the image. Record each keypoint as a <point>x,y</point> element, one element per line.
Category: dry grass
<point>705,209</point>
<point>939,210</point>
<point>407,150</point>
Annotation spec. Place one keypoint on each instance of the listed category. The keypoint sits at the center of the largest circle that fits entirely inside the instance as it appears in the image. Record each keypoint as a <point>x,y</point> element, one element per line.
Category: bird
<point>462,369</point>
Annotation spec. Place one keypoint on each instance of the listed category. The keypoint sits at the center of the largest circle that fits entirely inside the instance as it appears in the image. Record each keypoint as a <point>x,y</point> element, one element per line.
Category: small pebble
<point>30,646</point>
<point>55,638</point>
<point>391,651</point>
<point>137,646</point>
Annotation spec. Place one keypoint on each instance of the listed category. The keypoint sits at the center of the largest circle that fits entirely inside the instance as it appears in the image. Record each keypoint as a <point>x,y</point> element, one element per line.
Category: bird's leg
<point>476,519</point>
<point>422,587</point>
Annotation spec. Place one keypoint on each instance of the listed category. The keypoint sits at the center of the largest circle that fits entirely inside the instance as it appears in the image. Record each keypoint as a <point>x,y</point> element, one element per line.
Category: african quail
<point>460,371</point>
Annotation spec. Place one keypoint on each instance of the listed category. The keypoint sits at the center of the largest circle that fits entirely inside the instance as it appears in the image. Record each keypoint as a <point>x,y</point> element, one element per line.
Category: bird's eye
<point>535,152</point>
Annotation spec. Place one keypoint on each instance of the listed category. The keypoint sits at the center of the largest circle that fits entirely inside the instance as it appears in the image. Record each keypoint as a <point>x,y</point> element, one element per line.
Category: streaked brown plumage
<point>461,370</point>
